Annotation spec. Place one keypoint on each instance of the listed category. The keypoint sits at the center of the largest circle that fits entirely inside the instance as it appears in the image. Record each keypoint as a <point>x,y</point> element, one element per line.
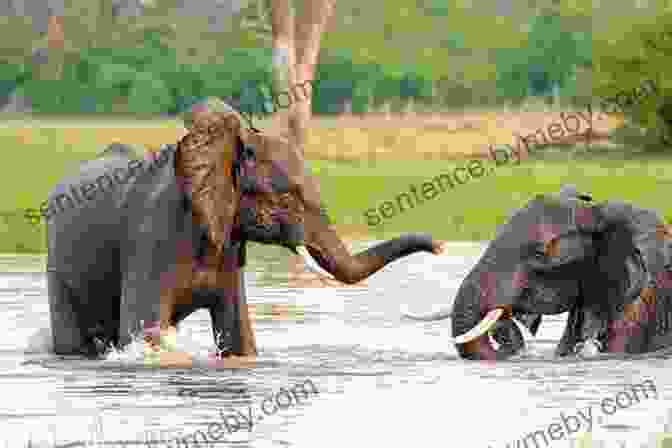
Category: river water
<point>379,379</point>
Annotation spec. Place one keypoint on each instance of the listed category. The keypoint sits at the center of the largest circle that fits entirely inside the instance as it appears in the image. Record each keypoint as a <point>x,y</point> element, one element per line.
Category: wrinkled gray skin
<point>511,274</point>
<point>109,257</point>
<point>605,254</point>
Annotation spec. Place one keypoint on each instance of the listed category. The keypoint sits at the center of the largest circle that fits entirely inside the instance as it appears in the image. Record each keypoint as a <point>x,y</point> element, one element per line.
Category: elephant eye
<point>547,249</point>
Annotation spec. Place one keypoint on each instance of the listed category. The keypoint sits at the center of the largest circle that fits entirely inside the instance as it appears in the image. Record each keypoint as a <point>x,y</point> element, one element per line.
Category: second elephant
<point>606,264</point>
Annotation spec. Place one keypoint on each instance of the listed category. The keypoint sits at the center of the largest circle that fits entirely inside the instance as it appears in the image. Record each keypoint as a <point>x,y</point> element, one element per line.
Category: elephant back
<point>92,213</point>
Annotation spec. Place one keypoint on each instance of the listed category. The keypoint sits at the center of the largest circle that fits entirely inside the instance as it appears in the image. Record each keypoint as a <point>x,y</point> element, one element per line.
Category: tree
<point>549,58</point>
<point>630,52</point>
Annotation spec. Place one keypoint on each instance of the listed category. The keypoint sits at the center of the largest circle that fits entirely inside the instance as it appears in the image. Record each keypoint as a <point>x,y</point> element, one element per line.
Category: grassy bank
<point>36,157</point>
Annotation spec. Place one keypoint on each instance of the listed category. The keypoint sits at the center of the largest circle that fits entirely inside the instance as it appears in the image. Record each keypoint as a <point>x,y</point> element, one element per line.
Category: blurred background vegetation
<point>430,54</point>
<point>476,63</point>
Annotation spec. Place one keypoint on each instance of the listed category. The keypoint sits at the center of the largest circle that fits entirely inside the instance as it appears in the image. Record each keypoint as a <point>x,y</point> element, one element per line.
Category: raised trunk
<point>329,251</point>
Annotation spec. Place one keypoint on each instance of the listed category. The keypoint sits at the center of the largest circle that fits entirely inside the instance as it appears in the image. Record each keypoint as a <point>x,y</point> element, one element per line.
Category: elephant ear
<point>641,229</point>
<point>205,167</point>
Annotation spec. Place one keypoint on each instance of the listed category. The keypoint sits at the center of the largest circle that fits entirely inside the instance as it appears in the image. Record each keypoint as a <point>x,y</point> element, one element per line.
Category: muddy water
<point>380,380</point>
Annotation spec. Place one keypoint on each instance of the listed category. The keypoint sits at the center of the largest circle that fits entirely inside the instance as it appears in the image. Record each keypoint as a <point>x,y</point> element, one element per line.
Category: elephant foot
<point>97,343</point>
<point>160,358</point>
<point>587,348</point>
<point>100,347</point>
<point>94,350</point>
<point>161,349</point>
<point>157,339</point>
<point>586,334</point>
<point>232,361</point>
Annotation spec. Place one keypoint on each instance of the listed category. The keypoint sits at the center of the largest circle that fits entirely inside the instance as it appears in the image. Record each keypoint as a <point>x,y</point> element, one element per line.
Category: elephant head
<point>603,263</point>
<point>245,185</point>
<point>532,267</point>
<point>251,186</point>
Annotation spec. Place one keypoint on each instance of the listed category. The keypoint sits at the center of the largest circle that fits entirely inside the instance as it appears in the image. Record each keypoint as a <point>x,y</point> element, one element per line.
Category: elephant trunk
<point>329,252</point>
<point>483,307</point>
<point>467,313</point>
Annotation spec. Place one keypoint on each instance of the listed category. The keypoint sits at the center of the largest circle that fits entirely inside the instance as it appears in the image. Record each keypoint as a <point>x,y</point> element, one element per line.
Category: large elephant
<point>116,257</point>
<point>607,264</point>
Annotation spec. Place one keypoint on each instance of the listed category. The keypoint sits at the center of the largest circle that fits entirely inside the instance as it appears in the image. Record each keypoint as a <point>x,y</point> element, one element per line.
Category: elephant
<point>134,253</point>
<point>606,264</point>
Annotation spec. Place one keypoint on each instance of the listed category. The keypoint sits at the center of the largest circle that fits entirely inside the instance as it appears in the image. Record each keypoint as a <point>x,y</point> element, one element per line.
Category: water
<point>380,380</point>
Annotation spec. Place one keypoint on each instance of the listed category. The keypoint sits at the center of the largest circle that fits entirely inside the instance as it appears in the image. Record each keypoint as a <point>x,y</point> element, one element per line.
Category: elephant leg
<point>231,327</point>
<point>230,317</point>
<point>223,325</point>
<point>157,276</point>
<point>139,303</point>
<point>199,299</point>
<point>585,328</point>
<point>246,343</point>
<point>104,333</point>
<point>633,328</point>
<point>570,336</point>
<point>176,287</point>
<point>67,333</point>
<point>662,334</point>
<point>79,327</point>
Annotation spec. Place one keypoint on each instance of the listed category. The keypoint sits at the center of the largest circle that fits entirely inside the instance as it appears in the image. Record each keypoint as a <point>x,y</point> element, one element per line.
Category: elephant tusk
<point>312,264</point>
<point>481,328</point>
<point>168,340</point>
<point>440,314</point>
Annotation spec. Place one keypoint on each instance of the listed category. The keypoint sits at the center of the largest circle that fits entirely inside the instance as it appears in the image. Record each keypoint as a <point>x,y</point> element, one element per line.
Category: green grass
<point>468,212</point>
<point>473,210</point>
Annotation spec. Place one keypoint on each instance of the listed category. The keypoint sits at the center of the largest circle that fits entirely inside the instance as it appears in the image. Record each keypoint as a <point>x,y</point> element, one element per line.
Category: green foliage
<point>627,55</point>
<point>552,48</point>
<point>149,95</point>
<point>549,58</point>
<point>454,40</point>
<point>338,77</point>
<point>364,84</point>
<point>12,76</point>
<point>371,61</point>
<point>11,72</point>
<point>150,79</point>
<point>372,56</point>
<point>584,48</point>
<point>512,76</point>
<point>437,8</point>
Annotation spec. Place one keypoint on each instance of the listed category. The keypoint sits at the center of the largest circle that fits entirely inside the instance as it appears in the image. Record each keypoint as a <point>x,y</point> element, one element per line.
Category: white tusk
<point>481,328</point>
<point>439,314</point>
<point>168,339</point>
<point>312,264</point>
